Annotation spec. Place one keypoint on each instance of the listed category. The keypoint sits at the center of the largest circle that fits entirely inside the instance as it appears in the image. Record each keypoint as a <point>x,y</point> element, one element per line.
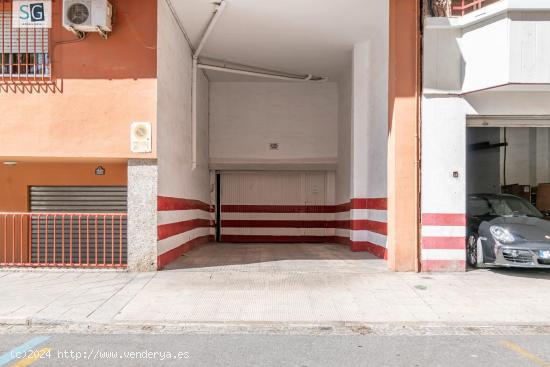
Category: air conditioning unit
<point>87,16</point>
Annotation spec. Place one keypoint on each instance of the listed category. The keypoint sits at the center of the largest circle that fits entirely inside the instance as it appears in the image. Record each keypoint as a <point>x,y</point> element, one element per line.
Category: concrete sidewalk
<point>301,291</point>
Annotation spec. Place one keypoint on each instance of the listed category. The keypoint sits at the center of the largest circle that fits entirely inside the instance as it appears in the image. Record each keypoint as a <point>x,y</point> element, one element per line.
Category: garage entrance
<point>508,158</point>
<point>298,143</point>
<point>278,221</point>
<point>510,155</point>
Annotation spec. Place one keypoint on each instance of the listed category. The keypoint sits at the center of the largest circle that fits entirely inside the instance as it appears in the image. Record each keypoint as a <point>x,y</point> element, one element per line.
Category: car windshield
<point>501,206</point>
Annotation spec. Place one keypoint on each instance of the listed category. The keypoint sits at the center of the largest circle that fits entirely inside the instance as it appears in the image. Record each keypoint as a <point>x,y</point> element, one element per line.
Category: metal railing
<point>63,240</point>
<point>24,52</point>
<point>463,7</point>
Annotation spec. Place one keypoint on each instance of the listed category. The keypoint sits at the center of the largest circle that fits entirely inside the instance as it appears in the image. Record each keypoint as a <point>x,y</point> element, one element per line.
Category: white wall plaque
<point>141,137</point>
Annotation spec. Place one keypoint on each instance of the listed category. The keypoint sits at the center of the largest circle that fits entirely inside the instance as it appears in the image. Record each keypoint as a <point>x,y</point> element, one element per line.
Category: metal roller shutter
<point>78,199</point>
<point>78,239</point>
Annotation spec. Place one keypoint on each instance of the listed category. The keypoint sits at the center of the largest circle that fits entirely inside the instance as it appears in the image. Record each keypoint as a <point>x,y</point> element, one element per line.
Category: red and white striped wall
<point>361,224</point>
<point>182,225</point>
<point>369,225</point>
<point>280,223</point>
<point>367,229</point>
<point>443,242</point>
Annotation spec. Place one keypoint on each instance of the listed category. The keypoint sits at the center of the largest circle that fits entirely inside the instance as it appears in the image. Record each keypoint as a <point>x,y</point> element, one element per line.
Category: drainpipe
<point>308,77</point>
<point>194,115</point>
<point>213,21</point>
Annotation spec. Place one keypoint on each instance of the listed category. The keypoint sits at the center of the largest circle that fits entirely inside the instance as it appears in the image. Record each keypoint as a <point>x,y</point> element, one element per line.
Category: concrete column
<point>369,120</point>
<point>142,214</point>
<point>403,137</point>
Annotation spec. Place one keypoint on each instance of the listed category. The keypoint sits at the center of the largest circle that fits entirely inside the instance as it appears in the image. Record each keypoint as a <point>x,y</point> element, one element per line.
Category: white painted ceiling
<point>295,36</point>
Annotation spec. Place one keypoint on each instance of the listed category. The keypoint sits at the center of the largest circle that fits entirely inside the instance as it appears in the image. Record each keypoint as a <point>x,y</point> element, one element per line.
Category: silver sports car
<point>506,230</point>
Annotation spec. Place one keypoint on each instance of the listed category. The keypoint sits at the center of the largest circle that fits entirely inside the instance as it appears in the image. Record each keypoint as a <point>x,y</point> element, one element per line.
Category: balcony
<point>502,45</point>
<point>462,7</point>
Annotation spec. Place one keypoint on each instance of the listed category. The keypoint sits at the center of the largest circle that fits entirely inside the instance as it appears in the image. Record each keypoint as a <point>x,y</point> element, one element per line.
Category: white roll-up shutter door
<point>265,206</point>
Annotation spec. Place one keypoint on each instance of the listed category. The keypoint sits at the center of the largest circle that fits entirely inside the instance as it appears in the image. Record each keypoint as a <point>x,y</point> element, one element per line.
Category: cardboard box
<point>543,197</point>
<point>523,191</point>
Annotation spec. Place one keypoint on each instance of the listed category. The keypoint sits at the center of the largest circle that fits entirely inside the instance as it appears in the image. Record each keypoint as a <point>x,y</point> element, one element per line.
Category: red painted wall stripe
<point>370,203</point>
<point>226,208</point>
<point>173,254</point>
<point>165,203</point>
<point>229,223</point>
<point>444,243</point>
<point>172,229</point>
<point>341,208</point>
<point>438,219</point>
<point>275,239</point>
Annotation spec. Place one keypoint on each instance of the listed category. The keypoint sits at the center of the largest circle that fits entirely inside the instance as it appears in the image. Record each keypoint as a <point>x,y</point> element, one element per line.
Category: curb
<point>30,325</point>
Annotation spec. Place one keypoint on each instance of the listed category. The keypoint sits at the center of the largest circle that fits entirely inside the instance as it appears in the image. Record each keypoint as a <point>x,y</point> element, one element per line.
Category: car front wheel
<point>472,255</point>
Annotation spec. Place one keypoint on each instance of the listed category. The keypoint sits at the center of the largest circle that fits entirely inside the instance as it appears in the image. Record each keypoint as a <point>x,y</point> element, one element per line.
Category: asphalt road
<point>272,350</point>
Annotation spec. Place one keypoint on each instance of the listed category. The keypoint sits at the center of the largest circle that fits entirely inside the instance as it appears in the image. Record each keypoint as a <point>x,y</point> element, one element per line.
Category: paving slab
<point>275,285</point>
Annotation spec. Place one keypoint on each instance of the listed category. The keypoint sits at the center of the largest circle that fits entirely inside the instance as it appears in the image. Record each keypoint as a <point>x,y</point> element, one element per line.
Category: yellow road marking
<point>32,358</point>
<point>525,354</point>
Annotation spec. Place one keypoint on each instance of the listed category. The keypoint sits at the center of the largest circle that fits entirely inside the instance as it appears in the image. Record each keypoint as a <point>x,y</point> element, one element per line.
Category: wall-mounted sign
<point>32,14</point>
<point>100,171</point>
<point>140,137</point>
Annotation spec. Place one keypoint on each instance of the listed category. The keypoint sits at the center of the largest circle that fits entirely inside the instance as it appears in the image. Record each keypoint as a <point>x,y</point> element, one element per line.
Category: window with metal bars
<point>24,52</point>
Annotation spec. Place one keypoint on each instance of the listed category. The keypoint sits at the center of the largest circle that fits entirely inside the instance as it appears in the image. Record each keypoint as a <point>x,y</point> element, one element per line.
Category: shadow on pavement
<point>298,256</point>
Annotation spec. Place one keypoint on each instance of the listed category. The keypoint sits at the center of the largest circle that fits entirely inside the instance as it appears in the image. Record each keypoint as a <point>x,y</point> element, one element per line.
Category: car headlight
<point>501,234</point>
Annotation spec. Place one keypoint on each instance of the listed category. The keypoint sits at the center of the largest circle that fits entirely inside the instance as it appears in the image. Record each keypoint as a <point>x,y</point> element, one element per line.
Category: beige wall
<point>90,119</point>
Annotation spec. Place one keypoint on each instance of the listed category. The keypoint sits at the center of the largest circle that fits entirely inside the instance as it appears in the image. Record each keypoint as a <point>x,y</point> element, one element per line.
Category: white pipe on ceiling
<point>211,26</point>
<point>308,77</point>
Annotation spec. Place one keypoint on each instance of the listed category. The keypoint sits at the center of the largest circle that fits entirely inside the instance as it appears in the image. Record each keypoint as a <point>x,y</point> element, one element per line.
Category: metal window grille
<point>25,53</point>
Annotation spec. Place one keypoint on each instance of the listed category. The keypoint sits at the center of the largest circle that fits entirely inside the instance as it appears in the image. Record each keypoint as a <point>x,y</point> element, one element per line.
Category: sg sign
<point>32,14</point>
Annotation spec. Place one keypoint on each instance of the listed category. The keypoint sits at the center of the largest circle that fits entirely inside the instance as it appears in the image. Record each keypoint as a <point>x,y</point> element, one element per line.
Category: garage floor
<point>278,257</point>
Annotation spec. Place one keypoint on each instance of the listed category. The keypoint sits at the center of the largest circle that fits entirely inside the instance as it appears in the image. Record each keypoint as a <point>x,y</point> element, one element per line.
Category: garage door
<point>93,239</point>
<point>269,207</point>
